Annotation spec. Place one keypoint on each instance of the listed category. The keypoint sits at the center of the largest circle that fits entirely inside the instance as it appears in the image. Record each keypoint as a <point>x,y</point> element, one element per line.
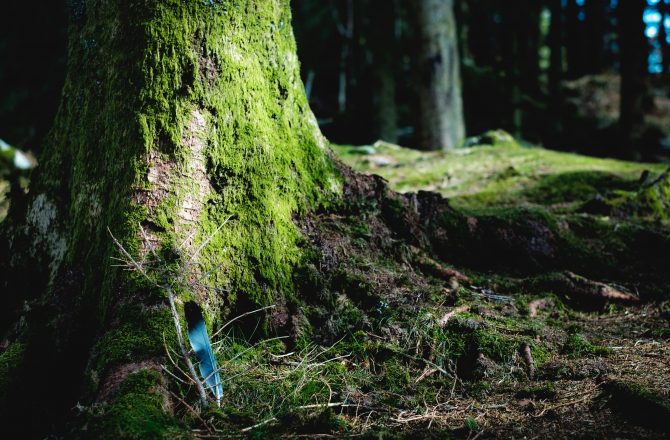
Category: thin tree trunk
<point>383,42</point>
<point>596,27</point>
<point>576,47</point>
<point>440,116</point>
<point>556,63</point>
<point>664,9</point>
<point>528,41</point>
<point>347,33</point>
<point>385,105</point>
<point>634,52</point>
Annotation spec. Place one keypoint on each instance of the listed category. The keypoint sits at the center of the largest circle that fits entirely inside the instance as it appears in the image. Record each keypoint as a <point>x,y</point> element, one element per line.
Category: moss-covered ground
<point>501,172</point>
<point>383,341</point>
<point>403,356</point>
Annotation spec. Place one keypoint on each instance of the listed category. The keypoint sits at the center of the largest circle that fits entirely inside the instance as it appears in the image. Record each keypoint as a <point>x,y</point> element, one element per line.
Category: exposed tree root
<point>546,249</point>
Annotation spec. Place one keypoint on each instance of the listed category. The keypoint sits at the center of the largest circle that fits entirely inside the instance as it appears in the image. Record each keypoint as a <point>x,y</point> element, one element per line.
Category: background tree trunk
<point>634,52</point>
<point>175,116</point>
<point>596,27</point>
<point>440,116</point>
<point>664,9</point>
<point>556,72</point>
<point>383,41</point>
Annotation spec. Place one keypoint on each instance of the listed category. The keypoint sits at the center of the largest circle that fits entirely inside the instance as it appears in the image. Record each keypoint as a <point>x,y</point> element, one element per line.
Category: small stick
<point>241,316</point>
<point>206,242</point>
<point>450,314</point>
<point>184,352</point>
<point>528,359</point>
<point>249,428</point>
<point>195,413</point>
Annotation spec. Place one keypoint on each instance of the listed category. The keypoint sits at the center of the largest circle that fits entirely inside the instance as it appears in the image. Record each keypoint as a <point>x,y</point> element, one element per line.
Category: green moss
<point>541,353</point>
<point>578,346</point>
<point>500,173</point>
<point>136,411</point>
<point>654,199</point>
<point>396,376</point>
<point>471,424</point>
<point>140,334</point>
<point>575,186</point>
<point>10,361</point>
<point>494,345</point>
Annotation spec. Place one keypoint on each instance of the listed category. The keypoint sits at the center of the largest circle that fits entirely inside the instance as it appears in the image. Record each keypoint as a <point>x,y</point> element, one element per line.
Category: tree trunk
<point>664,9</point>
<point>383,42</point>
<point>634,54</point>
<point>576,35</point>
<point>385,107</point>
<point>556,42</point>
<point>175,116</point>
<point>521,25</point>
<point>596,27</point>
<point>440,117</point>
<point>528,35</point>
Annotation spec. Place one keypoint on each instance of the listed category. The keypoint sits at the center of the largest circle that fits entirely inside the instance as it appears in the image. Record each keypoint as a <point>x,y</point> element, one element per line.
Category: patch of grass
<point>289,392</point>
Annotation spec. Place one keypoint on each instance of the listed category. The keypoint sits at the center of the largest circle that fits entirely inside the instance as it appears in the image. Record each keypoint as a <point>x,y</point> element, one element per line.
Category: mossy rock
<point>499,138</point>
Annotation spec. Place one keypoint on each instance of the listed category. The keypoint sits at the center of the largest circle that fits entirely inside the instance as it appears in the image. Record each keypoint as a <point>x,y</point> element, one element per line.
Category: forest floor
<point>531,366</point>
<point>390,340</point>
<point>391,343</point>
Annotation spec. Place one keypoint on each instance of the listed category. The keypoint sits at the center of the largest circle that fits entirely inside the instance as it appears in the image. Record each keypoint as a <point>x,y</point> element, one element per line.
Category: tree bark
<point>634,52</point>
<point>596,26</point>
<point>576,34</point>
<point>385,59</point>
<point>556,41</point>
<point>175,116</point>
<point>440,117</point>
<point>664,9</point>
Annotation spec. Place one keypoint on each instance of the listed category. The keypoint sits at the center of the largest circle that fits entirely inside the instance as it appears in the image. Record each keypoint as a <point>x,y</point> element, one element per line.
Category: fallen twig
<point>450,314</point>
<point>527,355</point>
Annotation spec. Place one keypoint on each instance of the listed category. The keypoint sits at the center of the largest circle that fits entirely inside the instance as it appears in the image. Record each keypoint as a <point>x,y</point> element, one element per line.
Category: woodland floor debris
<point>397,344</point>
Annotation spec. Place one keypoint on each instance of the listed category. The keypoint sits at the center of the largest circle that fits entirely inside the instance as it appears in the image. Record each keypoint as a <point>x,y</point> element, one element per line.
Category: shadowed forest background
<point>548,72</point>
<point>477,246</point>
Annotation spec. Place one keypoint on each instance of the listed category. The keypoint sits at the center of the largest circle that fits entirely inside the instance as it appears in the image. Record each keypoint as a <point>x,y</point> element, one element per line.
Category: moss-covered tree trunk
<point>175,116</point>
<point>440,121</point>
